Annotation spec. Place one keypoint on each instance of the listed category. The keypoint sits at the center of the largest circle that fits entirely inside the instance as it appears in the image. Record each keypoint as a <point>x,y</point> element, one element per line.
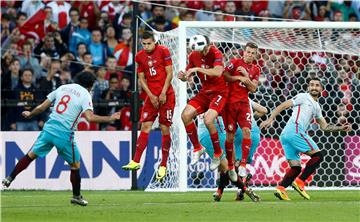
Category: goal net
<point>289,54</point>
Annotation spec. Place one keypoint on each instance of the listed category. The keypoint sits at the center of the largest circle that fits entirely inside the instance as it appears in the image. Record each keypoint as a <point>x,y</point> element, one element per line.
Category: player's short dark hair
<point>148,35</point>
<point>251,45</point>
<point>315,79</point>
<point>85,79</point>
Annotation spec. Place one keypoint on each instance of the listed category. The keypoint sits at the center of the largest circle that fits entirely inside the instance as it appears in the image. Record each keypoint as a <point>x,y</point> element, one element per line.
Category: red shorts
<point>204,101</point>
<point>166,111</point>
<point>237,113</point>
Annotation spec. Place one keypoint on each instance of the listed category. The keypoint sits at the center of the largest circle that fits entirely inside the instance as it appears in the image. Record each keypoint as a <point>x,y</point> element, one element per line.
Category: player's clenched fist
<point>26,114</point>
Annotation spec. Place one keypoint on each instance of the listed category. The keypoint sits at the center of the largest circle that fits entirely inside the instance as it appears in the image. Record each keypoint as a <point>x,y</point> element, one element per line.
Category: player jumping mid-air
<point>206,61</point>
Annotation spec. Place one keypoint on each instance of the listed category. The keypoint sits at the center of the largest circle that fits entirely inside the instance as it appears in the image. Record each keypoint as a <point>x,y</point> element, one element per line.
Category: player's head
<point>315,87</point>
<point>148,41</point>
<point>85,79</point>
<point>199,43</point>
<point>250,52</point>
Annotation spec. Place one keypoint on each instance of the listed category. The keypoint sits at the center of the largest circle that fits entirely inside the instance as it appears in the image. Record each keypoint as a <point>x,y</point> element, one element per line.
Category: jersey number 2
<point>62,105</point>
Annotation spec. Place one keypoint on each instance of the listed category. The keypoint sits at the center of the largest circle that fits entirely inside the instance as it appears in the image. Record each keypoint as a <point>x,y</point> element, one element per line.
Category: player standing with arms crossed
<point>242,75</point>
<point>207,62</point>
<point>155,75</point>
<point>295,140</point>
<point>70,101</point>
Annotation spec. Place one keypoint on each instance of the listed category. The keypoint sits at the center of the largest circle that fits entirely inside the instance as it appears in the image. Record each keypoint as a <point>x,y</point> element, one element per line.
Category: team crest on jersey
<point>231,127</point>
<point>150,63</point>
<point>145,114</point>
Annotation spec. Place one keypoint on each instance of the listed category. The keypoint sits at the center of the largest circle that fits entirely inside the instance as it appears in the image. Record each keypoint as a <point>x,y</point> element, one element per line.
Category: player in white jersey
<point>295,140</point>
<point>70,101</point>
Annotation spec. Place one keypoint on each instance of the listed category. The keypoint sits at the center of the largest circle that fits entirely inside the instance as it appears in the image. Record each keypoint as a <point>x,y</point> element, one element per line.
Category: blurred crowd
<point>96,36</point>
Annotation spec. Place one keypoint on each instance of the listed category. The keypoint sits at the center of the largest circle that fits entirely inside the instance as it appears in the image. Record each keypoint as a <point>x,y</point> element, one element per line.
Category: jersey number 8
<point>62,105</point>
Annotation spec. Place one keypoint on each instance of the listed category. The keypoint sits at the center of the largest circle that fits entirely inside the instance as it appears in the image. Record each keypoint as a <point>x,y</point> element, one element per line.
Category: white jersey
<point>69,102</point>
<point>304,111</point>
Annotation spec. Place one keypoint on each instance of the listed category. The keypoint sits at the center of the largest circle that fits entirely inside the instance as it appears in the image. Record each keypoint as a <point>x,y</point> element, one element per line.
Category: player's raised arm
<point>259,110</point>
<point>331,127</point>
<point>285,105</point>
<point>39,109</point>
<point>91,117</point>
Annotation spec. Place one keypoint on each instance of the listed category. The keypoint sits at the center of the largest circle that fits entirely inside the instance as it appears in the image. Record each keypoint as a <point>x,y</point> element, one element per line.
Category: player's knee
<point>145,128</point>
<point>186,117</point>
<point>318,155</point>
<point>230,137</point>
<point>75,165</point>
<point>209,122</point>
<point>32,155</point>
<point>246,133</point>
<point>165,130</point>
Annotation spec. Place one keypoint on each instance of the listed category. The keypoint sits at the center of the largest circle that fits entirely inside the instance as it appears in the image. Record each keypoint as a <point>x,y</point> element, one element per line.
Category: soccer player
<point>295,140</point>
<point>242,75</point>
<point>155,75</point>
<point>70,101</point>
<point>207,62</point>
<point>255,140</point>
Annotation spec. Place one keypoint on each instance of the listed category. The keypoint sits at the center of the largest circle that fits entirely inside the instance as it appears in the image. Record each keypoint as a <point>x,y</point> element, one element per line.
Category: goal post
<point>289,54</point>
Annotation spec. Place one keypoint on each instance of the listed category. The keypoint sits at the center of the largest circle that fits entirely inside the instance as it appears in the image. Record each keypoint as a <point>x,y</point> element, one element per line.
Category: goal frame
<point>182,55</point>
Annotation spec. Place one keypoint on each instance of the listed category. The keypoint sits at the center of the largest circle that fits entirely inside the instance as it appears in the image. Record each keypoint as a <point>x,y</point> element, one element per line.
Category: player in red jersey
<point>155,75</point>
<point>207,62</point>
<point>242,75</point>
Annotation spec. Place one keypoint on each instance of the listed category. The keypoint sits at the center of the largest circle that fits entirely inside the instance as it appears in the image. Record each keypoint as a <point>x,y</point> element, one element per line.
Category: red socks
<point>192,133</point>
<point>216,143</point>
<point>165,147</point>
<point>245,147</point>
<point>141,144</point>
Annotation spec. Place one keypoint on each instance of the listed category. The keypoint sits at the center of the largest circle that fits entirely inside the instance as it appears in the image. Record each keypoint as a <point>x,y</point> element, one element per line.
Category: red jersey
<point>210,60</point>
<point>237,90</point>
<point>153,66</point>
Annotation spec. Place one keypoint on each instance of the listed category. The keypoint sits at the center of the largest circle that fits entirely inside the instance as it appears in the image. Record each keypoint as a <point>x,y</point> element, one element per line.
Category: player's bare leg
<point>245,147</point>
<point>209,119</point>
<point>229,146</point>
<point>165,147</point>
<point>20,166</point>
<point>141,144</point>
<point>75,179</point>
<point>187,116</point>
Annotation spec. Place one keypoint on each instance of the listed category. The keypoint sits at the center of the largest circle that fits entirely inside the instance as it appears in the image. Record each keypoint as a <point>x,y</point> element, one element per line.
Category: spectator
<point>27,60</point>
<point>77,65</point>
<point>322,14</point>
<point>338,16</point>
<point>31,6</point>
<point>123,51</point>
<point>12,77</point>
<point>101,84</point>
<point>60,12</point>
<point>82,35</point>
<point>25,91</point>
<point>7,26</point>
<point>115,8</point>
<point>88,10</point>
<point>103,21</point>
<point>245,10</point>
<point>66,60</point>
<point>52,80</point>
<point>183,15</point>
<point>124,23</point>
<point>144,11</point>
<point>65,76</point>
<point>353,17</point>
<point>110,39</point>
<point>219,16</point>
<point>45,62</point>
<point>52,46</point>
<point>20,19</point>
<point>158,11</point>
<point>97,49</point>
<point>88,60</point>
<point>68,33</point>
<point>50,25</point>
<point>296,10</point>
<point>230,8</point>
<point>203,15</point>
<point>344,7</point>
<point>159,24</point>
<point>111,68</point>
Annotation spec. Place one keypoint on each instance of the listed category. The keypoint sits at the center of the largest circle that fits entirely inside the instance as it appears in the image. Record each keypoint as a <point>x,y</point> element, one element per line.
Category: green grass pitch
<point>137,206</point>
